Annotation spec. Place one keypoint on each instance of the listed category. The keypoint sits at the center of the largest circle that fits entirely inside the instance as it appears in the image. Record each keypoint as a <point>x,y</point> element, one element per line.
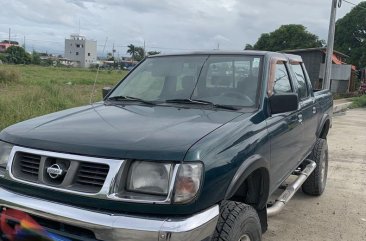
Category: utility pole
<point>144,48</point>
<point>113,51</point>
<point>9,35</point>
<point>24,44</point>
<point>330,44</point>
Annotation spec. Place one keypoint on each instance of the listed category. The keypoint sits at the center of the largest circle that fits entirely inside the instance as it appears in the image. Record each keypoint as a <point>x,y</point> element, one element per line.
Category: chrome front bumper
<point>115,227</point>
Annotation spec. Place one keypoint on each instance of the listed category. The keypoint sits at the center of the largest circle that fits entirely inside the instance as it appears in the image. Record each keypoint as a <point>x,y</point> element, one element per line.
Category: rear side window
<point>282,81</point>
<point>301,81</point>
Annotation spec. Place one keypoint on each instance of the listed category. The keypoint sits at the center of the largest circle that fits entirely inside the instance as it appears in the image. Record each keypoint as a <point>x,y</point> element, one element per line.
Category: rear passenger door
<point>285,129</point>
<point>308,108</point>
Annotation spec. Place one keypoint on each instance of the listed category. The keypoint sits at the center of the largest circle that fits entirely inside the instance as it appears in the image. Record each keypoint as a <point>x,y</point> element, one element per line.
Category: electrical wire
<point>354,4</point>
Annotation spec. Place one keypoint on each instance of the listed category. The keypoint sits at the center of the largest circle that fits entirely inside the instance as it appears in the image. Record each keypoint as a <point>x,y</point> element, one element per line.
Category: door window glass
<point>282,81</point>
<point>301,81</point>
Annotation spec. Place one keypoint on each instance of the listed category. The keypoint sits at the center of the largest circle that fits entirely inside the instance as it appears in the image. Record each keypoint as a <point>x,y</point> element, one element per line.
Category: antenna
<point>96,76</point>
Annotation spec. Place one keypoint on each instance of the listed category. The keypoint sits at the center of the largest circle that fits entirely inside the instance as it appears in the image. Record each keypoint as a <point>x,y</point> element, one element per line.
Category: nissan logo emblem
<point>55,171</point>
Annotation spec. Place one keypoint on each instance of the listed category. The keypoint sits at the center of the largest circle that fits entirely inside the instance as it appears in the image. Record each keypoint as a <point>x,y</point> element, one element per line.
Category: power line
<point>354,4</point>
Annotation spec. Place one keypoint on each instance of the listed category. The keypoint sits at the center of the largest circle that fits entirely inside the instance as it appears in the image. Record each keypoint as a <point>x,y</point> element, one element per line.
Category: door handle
<point>300,118</point>
<point>314,110</point>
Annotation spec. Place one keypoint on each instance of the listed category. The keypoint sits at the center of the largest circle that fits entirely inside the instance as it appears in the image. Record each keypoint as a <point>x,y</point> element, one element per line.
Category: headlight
<point>5,150</point>
<point>149,177</point>
<point>157,182</point>
<point>188,182</point>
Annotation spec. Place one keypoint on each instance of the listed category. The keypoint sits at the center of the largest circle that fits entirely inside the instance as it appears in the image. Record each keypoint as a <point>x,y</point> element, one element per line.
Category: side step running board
<point>292,188</point>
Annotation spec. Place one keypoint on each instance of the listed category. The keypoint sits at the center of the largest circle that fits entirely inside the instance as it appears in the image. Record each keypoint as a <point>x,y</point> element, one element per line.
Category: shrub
<point>359,102</point>
<point>9,75</point>
<point>17,55</point>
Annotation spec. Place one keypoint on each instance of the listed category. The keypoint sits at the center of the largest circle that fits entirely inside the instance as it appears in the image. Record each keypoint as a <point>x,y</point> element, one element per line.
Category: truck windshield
<point>230,80</point>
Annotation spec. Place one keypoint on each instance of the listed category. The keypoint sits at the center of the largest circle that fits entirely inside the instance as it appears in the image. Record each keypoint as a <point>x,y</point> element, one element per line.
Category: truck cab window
<point>300,80</point>
<point>282,81</point>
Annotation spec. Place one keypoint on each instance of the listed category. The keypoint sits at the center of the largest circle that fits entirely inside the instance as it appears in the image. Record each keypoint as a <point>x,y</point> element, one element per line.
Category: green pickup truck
<point>187,147</point>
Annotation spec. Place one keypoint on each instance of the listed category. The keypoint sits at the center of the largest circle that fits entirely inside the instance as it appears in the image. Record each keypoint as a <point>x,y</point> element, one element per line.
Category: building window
<point>82,45</point>
<point>71,45</point>
<point>88,54</point>
<point>77,53</point>
<point>78,46</point>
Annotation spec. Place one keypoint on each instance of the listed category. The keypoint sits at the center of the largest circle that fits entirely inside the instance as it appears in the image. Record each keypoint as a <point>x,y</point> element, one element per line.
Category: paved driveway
<point>340,214</point>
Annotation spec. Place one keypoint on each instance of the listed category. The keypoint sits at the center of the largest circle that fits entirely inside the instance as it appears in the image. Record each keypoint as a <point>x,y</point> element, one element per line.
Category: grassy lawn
<point>31,91</point>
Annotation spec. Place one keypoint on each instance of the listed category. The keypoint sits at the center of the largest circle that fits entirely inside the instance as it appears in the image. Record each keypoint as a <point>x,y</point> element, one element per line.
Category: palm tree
<point>132,51</point>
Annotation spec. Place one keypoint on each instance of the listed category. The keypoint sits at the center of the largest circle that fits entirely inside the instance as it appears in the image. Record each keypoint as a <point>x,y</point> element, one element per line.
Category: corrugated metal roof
<point>314,49</point>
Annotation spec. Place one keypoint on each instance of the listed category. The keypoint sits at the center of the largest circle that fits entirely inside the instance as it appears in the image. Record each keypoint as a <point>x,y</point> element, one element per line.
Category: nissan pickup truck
<point>187,147</point>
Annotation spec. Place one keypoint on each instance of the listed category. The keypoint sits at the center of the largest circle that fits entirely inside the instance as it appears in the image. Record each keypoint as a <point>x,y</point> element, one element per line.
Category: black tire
<point>237,221</point>
<point>316,182</point>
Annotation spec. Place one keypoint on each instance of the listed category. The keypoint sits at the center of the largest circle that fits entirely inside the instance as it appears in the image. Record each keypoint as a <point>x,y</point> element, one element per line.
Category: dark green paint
<point>222,140</point>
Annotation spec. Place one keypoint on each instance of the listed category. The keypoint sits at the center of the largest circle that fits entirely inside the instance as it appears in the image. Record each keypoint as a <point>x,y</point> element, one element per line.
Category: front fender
<point>250,165</point>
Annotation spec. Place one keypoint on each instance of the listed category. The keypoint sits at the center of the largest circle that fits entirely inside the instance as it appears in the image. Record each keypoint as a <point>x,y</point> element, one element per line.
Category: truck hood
<point>131,132</point>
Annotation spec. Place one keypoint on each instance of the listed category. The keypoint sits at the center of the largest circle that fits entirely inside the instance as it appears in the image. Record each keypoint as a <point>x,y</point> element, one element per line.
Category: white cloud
<point>167,24</point>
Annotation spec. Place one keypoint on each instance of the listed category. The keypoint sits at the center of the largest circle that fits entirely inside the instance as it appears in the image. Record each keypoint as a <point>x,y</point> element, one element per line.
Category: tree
<point>248,47</point>
<point>292,36</point>
<point>140,53</point>
<point>36,58</point>
<point>110,57</point>
<point>137,53</point>
<point>350,35</point>
<point>150,53</point>
<point>17,55</point>
<point>131,50</point>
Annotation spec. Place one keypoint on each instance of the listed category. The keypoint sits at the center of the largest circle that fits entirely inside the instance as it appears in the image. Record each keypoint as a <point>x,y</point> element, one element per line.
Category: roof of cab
<point>291,57</point>
<point>215,52</point>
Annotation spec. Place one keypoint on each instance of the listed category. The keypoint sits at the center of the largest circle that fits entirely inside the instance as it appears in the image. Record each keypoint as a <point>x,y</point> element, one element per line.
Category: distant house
<point>314,59</point>
<point>67,62</point>
<point>4,45</point>
<point>79,49</point>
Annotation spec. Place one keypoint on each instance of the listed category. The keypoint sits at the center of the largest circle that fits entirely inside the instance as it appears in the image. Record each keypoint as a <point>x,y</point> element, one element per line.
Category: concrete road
<point>340,213</point>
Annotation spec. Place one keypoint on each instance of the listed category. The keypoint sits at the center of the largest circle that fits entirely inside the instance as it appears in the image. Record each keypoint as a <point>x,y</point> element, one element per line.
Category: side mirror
<point>106,91</point>
<point>283,103</point>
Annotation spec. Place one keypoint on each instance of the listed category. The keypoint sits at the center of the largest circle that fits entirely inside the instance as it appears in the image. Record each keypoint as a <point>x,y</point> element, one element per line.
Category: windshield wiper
<point>129,98</point>
<point>189,101</point>
<point>201,102</point>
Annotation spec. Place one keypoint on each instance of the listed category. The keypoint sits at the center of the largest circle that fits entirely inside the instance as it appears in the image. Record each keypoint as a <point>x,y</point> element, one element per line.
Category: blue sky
<point>164,25</point>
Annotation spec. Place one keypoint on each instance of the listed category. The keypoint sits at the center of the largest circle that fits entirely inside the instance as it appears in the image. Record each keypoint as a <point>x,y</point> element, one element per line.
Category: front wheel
<point>316,182</point>
<point>237,222</point>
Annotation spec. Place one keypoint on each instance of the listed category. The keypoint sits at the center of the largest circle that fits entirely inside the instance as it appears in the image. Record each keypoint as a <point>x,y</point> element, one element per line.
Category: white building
<point>81,50</point>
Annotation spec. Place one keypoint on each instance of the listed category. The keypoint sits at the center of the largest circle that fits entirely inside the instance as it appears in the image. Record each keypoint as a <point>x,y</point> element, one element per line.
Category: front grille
<point>91,176</point>
<point>27,166</point>
<point>75,175</point>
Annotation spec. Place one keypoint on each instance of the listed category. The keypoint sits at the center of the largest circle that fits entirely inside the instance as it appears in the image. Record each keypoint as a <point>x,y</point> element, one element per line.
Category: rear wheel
<point>316,182</point>
<point>237,222</point>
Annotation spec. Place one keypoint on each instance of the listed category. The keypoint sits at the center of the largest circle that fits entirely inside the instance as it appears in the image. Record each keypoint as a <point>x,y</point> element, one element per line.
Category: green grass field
<point>30,91</point>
